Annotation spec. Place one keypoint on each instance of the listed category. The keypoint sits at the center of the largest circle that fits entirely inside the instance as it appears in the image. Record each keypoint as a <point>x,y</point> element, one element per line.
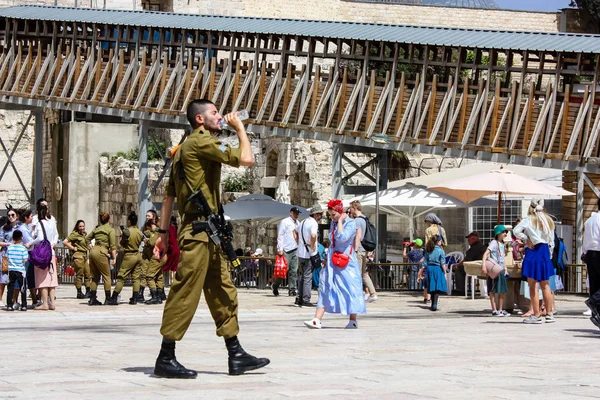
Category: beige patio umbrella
<point>497,181</point>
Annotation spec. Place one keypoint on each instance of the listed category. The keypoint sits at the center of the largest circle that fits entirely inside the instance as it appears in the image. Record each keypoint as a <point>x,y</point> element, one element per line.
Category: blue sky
<point>533,5</point>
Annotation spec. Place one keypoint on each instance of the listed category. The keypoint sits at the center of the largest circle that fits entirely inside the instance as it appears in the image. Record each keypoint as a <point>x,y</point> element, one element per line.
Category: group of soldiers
<point>145,269</point>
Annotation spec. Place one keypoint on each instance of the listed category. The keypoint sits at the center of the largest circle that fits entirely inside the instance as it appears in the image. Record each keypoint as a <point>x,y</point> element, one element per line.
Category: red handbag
<point>338,258</point>
<point>69,271</point>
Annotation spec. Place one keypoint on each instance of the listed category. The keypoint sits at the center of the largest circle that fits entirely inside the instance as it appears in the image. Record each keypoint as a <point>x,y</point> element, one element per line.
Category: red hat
<point>336,205</point>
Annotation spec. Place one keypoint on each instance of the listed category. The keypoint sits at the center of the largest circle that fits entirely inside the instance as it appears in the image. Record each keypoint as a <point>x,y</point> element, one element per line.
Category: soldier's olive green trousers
<point>202,267</point>
<point>143,272</point>
<point>154,273</point>
<point>82,270</point>
<point>99,266</point>
<point>129,265</point>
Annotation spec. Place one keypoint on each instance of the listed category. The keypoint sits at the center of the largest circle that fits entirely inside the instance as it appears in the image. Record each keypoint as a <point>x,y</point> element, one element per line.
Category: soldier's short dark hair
<point>194,108</point>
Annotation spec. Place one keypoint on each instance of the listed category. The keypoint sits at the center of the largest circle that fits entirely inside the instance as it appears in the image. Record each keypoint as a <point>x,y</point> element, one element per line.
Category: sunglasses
<point>12,215</point>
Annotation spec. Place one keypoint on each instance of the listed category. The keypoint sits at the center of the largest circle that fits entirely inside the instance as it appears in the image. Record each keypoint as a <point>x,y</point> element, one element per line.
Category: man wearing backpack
<point>361,254</point>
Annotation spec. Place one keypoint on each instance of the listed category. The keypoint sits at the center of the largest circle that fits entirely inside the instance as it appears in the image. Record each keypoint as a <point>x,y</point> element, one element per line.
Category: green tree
<point>591,8</point>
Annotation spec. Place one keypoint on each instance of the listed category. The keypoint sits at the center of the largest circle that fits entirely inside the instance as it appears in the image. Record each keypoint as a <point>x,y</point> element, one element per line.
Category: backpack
<point>369,239</point>
<point>559,255</point>
<point>41,255</point>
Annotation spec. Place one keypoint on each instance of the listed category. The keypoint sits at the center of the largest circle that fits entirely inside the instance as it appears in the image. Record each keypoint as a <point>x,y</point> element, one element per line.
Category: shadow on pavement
<point>590,333</point>
<point>150,371</point>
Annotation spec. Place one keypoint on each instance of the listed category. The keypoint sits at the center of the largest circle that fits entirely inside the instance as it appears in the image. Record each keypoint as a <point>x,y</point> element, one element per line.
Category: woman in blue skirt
<point>435,263</point>
<point>340,284</point>
<point>537,231</point>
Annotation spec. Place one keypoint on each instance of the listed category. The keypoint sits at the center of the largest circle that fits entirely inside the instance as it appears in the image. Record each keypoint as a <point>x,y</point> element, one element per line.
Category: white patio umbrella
<point>408,202</point>
<point>497,181</point>
<point>282,194</point>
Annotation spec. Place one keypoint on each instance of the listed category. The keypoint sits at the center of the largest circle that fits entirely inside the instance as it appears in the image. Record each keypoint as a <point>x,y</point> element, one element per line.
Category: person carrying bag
<point>308,256</point>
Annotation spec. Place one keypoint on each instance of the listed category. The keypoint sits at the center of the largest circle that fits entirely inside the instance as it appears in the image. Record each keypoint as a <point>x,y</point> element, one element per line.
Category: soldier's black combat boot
<point>87,293</point>
<point>167,365</point>
<point>154,299</point>
<point>93,300</point>
<point>134,299</point>
<point>112,300</point>
<point>161,294</point>
<point>141,295</point>
<point>239,360</point>
<point>106,296</point>
<point>80,294</point>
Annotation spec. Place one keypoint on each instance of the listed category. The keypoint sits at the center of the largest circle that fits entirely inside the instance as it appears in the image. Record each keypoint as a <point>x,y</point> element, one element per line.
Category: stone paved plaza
<point>400,351</point>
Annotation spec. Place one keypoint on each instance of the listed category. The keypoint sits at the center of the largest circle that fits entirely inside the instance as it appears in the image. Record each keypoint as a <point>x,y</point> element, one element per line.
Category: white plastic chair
<point>482,285</point>
<point>452,258</point>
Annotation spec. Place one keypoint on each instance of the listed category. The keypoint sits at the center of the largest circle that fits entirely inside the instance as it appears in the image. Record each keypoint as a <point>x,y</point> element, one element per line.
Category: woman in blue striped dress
<point>340,287</point>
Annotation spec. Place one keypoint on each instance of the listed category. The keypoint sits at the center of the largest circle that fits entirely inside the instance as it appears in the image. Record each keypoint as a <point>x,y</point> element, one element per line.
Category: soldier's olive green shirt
<point>134,241</point>
<point>79,241</point>
<point>201,156</point>
<point>152,236</point>
<point>105,236</point>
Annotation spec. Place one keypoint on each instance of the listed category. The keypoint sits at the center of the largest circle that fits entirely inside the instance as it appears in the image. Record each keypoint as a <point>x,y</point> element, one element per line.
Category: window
<point>158,5</point>
<point>486,218</point>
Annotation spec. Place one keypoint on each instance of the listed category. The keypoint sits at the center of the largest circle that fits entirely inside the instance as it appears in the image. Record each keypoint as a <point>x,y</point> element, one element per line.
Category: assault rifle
<point>219,231</point>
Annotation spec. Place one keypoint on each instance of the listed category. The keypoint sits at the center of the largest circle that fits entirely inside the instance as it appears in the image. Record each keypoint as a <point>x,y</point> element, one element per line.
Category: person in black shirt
<point>475,253</point>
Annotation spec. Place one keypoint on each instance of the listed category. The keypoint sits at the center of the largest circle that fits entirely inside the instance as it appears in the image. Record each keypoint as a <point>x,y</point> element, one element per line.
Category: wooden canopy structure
<point>519,96</point>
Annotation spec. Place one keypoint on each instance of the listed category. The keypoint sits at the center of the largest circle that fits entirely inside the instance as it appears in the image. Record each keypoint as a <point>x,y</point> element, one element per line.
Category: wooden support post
<point>463,112</point>
<point>432,105</point>
<point>563,130</point>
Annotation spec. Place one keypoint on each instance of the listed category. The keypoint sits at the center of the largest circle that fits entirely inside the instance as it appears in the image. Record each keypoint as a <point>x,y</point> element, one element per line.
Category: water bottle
<point>243,115</point>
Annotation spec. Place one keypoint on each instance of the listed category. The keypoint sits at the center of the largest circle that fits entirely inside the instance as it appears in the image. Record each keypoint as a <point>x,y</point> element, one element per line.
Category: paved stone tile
<point>400,351</point>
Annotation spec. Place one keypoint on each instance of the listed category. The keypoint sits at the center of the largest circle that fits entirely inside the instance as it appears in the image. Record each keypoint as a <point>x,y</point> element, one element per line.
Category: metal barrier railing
<point>256,272</point>
<point>394,276</point>
<point>573,278</point>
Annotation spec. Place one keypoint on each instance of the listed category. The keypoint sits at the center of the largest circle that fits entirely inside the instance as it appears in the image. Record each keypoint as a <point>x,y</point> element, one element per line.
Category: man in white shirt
<point>307,247</point>
<point>287,245</point>
<point>591,254</point>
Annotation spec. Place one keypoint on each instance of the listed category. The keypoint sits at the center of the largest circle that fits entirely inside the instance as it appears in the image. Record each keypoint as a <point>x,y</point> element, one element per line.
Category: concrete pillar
<point>382,177</point>
<point>579,215</point>
<point>336,184</point>
<point>144,203</point>
<point>38,154</point>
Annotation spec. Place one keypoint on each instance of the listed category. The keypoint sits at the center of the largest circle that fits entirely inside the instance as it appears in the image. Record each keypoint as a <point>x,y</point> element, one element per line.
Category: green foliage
<point>236,183</point>
<point>105,154</point>
<point>154,152</point>
<point>398,165</point>
<point>592,10</point>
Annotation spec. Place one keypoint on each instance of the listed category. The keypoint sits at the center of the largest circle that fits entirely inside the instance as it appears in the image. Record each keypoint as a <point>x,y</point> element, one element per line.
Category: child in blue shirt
<point>414,256</point>
<point>17,257</point>
<point>435,261</point>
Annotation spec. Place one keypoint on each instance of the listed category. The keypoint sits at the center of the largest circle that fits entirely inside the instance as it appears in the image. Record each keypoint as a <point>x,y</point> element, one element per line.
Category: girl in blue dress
<point>340,287</point>
<point>435,260</point>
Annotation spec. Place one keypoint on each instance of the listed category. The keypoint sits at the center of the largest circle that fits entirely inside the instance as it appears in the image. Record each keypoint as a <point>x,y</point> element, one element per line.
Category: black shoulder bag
<point>315,260</point>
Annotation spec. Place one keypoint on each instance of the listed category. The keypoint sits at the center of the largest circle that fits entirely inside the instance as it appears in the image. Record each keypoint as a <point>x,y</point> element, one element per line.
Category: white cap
<point>258,252</point>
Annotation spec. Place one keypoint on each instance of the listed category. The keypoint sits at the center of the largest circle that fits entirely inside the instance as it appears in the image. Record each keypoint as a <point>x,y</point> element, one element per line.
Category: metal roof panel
<point>437,36</point>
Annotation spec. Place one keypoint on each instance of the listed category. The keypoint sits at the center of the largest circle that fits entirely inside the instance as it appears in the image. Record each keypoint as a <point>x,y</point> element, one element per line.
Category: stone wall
<point>118,184</point>
<point>11,126</point>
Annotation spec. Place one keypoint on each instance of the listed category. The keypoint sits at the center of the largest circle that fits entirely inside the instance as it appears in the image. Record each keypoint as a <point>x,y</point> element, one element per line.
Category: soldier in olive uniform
<point>154,265</point>
<point>151,218</point>
<point>202,266</point>
<point>78,244</point>
<point>99,265</point>
<point>131,240</point>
